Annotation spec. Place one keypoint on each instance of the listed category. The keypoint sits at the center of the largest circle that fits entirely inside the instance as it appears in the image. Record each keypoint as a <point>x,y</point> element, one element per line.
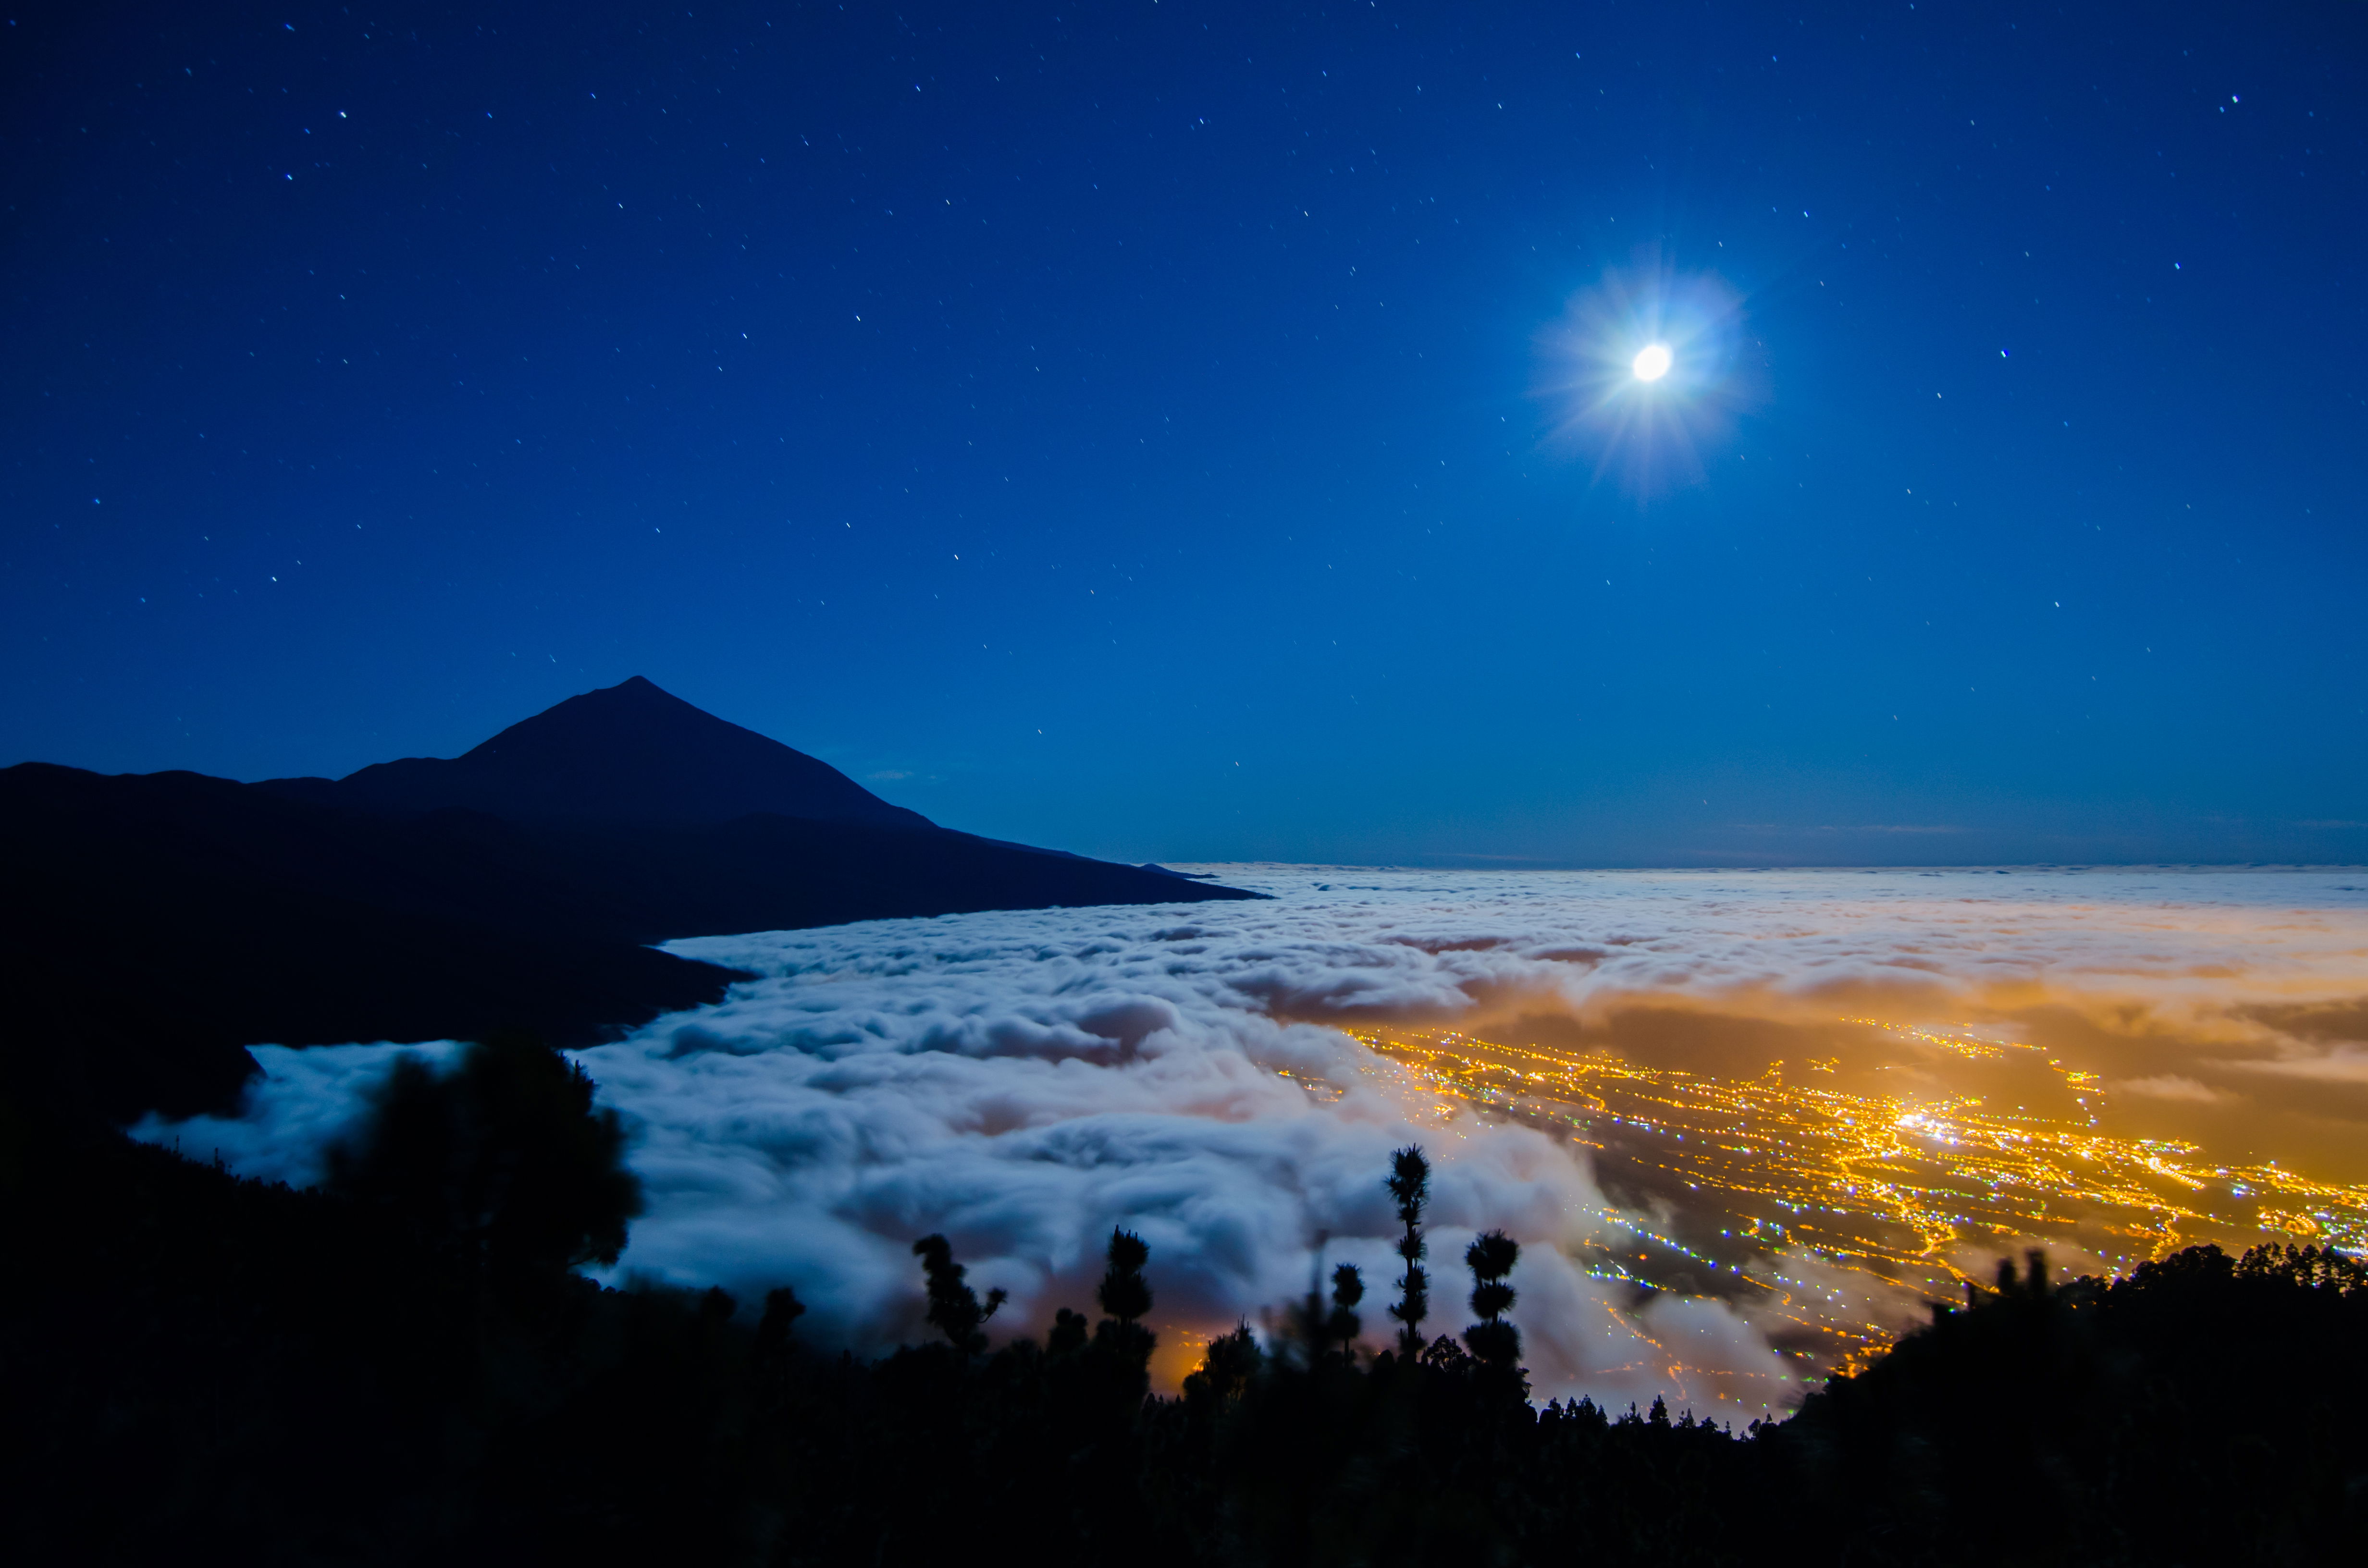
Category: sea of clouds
<point>1024,1081</point>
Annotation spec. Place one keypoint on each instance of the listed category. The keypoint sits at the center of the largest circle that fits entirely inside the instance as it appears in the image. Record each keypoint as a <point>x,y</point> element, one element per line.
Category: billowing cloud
<point>1025,1081</point>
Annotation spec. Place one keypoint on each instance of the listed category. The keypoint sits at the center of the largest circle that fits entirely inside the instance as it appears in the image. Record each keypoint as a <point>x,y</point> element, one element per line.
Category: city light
<point>1914,1194</point>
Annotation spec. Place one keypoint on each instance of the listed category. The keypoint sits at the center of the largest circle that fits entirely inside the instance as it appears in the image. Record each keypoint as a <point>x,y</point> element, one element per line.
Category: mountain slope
<point>629,752</point>
<point>158,924</point>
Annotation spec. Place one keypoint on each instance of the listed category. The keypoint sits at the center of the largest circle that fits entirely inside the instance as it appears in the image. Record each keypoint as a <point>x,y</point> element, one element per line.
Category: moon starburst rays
<point>1640,370</point>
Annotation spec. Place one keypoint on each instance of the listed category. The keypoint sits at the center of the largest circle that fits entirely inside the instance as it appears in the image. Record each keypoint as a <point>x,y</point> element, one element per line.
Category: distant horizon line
<point>1474,860</point>
<point>1498,863</point>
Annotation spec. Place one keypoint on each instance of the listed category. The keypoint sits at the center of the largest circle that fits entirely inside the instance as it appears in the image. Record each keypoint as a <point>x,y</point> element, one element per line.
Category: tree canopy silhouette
<point>955,1310</point>
<point>322,1376</point>
<point>503,1163</point>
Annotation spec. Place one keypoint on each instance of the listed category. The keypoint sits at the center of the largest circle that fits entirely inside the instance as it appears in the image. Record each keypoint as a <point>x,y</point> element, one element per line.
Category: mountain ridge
<point>628,753</point>
<point>161,923</point>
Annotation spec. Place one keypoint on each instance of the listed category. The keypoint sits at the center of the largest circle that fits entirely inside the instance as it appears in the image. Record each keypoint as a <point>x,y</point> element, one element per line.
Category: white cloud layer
<point>1024,1081</point>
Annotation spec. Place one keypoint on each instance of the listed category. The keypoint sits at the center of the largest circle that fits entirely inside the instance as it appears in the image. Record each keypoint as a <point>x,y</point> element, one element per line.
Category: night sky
<point>1195,431</point>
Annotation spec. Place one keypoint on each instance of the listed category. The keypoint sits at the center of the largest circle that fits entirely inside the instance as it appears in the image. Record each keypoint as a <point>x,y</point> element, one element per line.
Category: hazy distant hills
<point>156,924</point>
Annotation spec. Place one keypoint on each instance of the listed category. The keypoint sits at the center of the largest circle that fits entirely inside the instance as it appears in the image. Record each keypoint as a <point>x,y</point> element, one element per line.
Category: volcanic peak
<point>629,752</point>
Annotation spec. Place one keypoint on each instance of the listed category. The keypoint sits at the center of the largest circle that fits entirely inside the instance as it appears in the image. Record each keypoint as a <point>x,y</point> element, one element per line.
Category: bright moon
<point>1651,362</point>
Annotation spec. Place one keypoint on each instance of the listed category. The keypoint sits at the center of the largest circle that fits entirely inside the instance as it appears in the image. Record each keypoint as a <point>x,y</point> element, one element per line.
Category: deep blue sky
<point>1129,426</point>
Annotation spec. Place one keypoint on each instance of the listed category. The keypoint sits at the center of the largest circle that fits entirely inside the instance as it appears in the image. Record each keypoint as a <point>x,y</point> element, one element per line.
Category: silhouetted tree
<point>501,1165</point>
<point>1123,1292</point>
<point>1409,1185</point>
<point>782,1310</point>
<point>1319,1327</point>
<point>954,1308</point>
<point>1231,1361</point>
<point>1097,1405</point>
<point>2314,1267</point>
<point>1068,1332</point>
<point>1348,1289</point>
<point>230,1366</point>
<point>1125,1295</point>
<point>1492,1340</point>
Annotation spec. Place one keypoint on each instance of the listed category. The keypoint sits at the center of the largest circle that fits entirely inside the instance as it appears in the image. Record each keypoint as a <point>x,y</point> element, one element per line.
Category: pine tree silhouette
<point>1117,1364</point>
<point>1125,1295</point>
<point>1409,1184</point>
<point>1348,1289</point>
<point>1490,1258</point>
<point>1123,1292</point>
<point>954,1308</point>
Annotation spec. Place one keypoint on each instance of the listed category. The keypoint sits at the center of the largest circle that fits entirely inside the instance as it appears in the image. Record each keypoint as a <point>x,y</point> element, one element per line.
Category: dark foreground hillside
<point>402,1368</point>
<point>158,924</point>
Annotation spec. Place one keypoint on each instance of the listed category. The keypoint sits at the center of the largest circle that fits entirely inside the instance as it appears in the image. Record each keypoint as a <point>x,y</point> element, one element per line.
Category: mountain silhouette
<point>158,924</point>
<point>630,753</point>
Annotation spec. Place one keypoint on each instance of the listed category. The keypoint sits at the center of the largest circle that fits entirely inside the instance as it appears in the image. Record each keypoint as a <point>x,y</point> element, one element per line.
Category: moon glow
<point>1643,367</point>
